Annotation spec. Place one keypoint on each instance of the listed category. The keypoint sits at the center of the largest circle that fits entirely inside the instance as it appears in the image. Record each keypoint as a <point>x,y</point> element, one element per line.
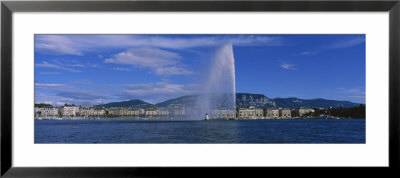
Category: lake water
<point>215,131</point>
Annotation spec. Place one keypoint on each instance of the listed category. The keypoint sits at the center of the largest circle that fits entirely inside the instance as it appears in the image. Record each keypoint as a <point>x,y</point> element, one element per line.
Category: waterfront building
<point>125,112</point>
<point>71,111</point>
<point>86,111</point>
<point>130,112</point>
<point>114,111</point>
<point>151,112</point>
<point>250,113</point>
<point>259,112</point>
<point>99,112</point>
<point>223,113</point>
<point>37,112</point>
<point>272,113</point>
<point>46,112</point>
<point>303,111</point>
<point>90,111</point>
<point>162,111</point>
<point>242,112</point>
<point>285,113</point>
<point>139,111</point>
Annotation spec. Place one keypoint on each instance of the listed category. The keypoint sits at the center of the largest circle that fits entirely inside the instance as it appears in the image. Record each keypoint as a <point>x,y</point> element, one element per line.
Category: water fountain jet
<point>218,97</point>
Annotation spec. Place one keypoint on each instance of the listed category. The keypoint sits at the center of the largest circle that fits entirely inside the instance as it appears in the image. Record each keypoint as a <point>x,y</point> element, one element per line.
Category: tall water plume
<point>218,95</point>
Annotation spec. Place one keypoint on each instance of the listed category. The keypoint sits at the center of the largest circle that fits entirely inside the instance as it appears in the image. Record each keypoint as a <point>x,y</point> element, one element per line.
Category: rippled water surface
<point>217,131</point>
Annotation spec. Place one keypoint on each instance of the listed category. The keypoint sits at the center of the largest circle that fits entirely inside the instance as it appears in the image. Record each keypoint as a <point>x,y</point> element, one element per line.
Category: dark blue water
<point>217,131</point>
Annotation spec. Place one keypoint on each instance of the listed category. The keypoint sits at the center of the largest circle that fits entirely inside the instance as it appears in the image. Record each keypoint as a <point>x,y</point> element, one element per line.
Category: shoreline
<point>179,119</point>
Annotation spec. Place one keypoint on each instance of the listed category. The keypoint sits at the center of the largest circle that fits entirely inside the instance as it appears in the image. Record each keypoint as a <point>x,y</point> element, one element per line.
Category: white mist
<point>218,91</point>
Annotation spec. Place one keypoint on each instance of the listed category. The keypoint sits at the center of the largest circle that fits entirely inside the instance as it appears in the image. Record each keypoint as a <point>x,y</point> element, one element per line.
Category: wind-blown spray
<point>218,91</point>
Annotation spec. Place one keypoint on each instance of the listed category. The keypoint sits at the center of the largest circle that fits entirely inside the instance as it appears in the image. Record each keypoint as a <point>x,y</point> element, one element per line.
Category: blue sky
<point>94,69</point>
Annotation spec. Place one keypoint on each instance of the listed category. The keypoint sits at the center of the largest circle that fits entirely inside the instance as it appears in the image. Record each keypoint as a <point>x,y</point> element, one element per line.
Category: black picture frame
<point>8,7</point>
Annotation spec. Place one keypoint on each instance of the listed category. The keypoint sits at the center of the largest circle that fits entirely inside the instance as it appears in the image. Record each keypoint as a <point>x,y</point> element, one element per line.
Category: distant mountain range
<point>243,100</point>
<point>131,103</point>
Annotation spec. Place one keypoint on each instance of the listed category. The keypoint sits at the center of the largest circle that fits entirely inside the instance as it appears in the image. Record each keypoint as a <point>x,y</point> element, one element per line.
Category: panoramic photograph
<point>200,88</point>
